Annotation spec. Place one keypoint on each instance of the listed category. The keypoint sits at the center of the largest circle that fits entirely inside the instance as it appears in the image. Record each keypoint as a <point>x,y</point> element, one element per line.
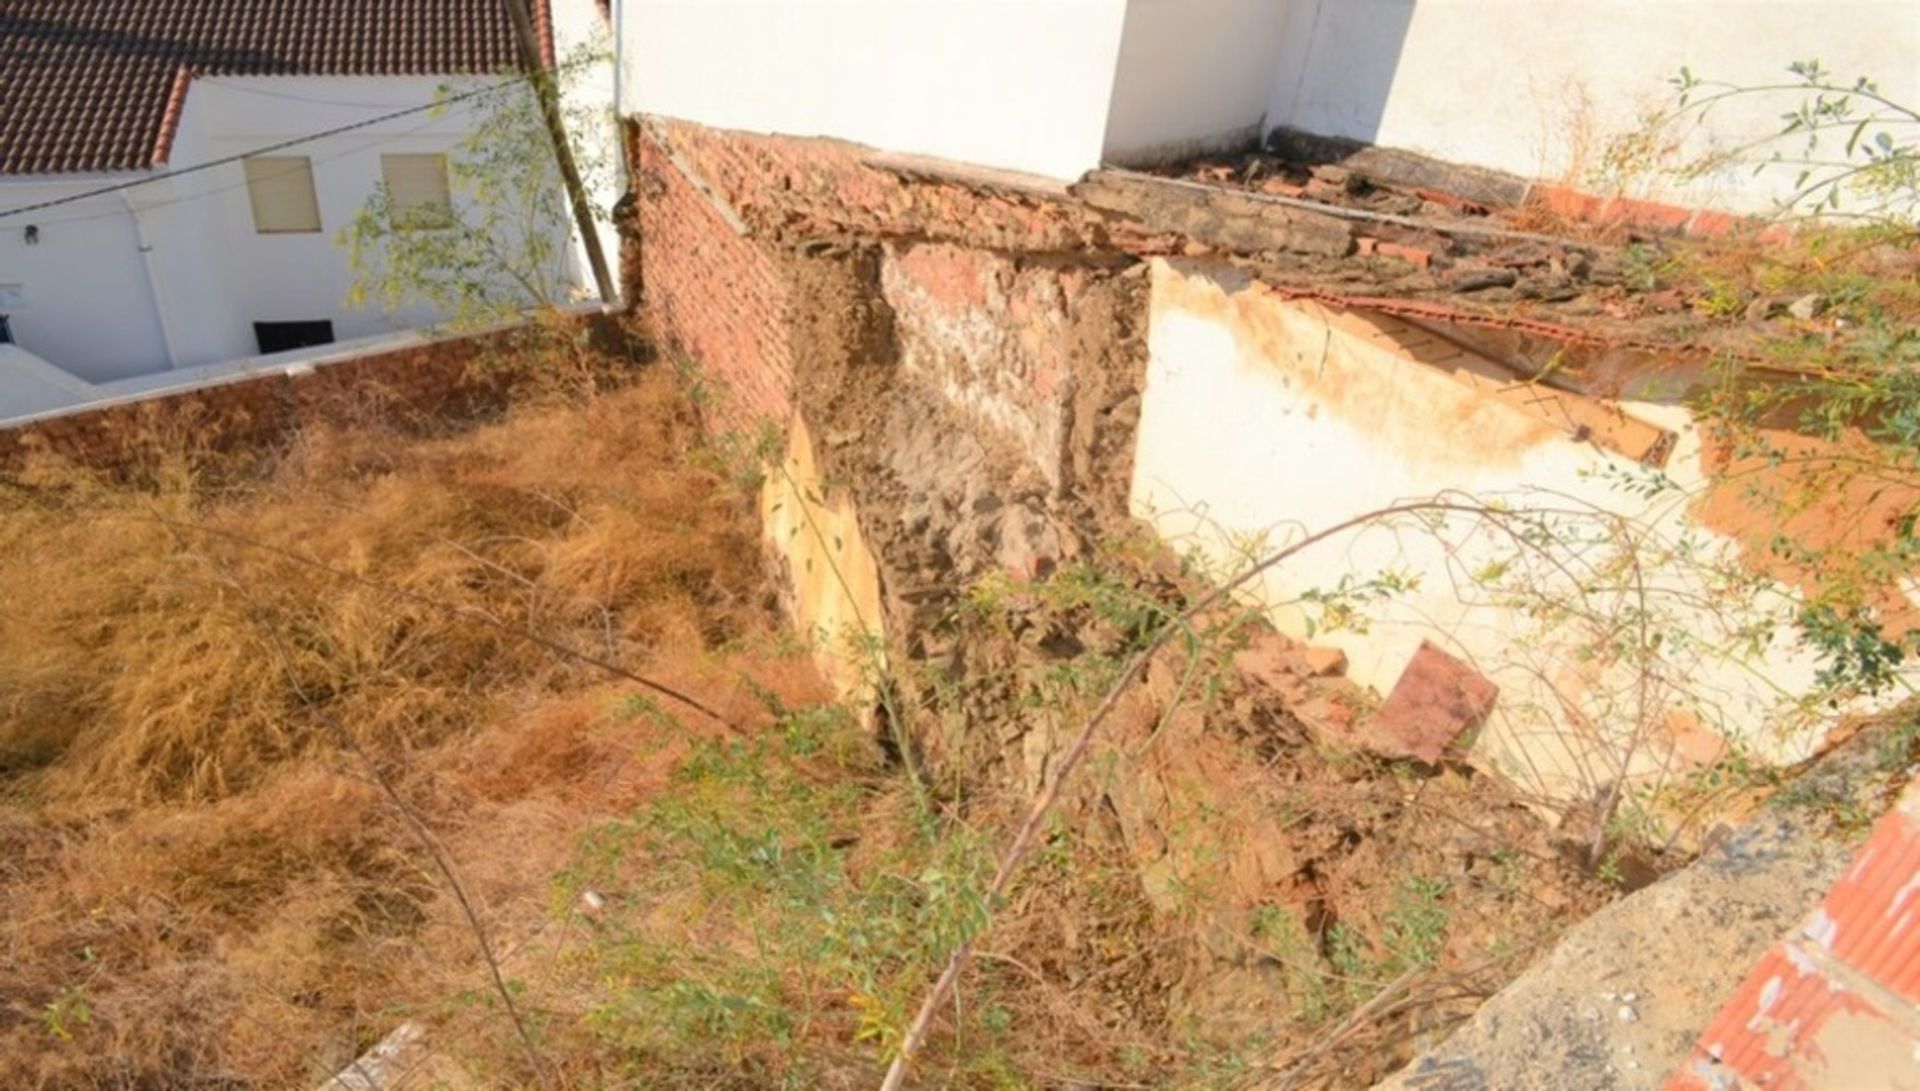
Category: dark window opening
<point>6,330</point>
<point>285,336</point>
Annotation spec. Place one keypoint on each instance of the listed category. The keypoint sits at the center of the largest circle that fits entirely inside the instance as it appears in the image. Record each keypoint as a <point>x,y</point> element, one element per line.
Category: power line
<point>113,213</point>
<point>241,89</point>
<point>289,143</point>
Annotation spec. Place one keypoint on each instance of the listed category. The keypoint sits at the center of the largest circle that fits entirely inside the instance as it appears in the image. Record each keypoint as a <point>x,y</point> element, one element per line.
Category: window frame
<point>257,184</point>
<point>433,213</point>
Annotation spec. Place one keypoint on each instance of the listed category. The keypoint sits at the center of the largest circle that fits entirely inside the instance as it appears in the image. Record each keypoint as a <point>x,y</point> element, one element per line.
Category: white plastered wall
<point>1193,76</point>
<point>1536,87</point>
<point>1263,421</point>
<point>218,274</point>
<point>78,295</point>
<point>1017,84</point>
<point>172,273</point>
<point>583,44</point>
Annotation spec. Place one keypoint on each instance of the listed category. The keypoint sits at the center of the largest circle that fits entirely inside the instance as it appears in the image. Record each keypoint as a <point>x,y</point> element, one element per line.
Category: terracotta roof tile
<point>85,85</point>
<point>1834,1004</point>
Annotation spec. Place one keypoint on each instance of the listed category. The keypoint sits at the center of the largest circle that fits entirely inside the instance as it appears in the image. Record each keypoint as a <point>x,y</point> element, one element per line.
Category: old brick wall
<point>714,295</point>
<point>797,189</point>
<point>1001,290</point>
<point>429,379</point>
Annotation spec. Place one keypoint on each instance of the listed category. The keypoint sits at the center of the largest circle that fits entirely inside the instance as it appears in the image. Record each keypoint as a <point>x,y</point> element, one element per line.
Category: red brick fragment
<point>1416,256</point>
<point>1565,202</point>
<point>1437,699</point>
<point>1450,200</point>
<point>1646,215</point>
<point>1322,661</point>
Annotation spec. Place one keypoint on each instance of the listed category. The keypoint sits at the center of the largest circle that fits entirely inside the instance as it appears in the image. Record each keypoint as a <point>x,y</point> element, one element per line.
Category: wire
<point>243,183</point>
<point>293,142</point>
<point>205,81</point>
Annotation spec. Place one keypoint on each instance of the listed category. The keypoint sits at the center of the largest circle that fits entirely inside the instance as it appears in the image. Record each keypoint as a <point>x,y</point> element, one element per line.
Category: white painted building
<point>140,259</point>
<point>1055,87</point>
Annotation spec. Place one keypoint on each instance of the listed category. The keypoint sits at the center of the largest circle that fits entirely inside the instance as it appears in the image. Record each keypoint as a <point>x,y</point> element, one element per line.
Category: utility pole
<point>546,86</point>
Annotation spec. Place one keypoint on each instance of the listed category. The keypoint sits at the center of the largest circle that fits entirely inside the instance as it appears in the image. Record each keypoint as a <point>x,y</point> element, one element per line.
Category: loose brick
<point>1436,700</point>
<point>1566,203</point>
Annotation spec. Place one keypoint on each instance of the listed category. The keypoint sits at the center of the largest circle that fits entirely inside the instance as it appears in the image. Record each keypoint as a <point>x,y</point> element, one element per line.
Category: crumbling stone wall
<point>998,299</point>
<point>962,359</point>
<point>1006,341</point>
<point>796,189</point>
<point>964,355</point>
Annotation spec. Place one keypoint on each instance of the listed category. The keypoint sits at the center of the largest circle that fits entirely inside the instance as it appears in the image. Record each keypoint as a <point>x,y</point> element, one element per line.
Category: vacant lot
<point>496,731</point>
<point>237,699</point>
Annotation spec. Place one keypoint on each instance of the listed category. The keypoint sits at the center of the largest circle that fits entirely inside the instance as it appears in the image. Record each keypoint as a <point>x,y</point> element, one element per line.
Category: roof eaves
<point>170,121</point>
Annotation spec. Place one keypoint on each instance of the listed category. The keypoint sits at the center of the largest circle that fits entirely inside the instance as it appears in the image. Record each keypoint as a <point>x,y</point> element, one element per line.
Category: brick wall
<point>431,379</point>
<point>991,279</point>
<point>712,294</point>
<point>793,188</point>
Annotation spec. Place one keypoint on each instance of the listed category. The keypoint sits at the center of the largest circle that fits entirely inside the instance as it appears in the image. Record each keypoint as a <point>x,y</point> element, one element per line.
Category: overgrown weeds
<point>204,886</point>
<point>214,675</point>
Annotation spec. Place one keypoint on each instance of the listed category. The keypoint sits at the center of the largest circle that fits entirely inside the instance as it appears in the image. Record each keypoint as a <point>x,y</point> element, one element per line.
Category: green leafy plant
<point>1855,152</point>
<point>500,246</point>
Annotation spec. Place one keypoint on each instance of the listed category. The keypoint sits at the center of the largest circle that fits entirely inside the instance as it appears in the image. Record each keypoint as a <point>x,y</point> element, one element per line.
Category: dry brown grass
<point>203,885</point>
<point>206,883</point>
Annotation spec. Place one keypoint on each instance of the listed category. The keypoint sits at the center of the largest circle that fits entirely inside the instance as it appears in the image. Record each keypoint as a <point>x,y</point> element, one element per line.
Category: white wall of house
<point>581,32</point>
<point>1310,421</point>
<point>220,274</point>
<point>173,274</point>
<point>1193,76</point>
<point>1018,84</point>
<point>80,294</point>
<point>1537,87</point>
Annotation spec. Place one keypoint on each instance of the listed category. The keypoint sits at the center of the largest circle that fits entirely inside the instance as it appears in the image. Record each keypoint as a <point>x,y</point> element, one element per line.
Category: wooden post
<point>547,88</point>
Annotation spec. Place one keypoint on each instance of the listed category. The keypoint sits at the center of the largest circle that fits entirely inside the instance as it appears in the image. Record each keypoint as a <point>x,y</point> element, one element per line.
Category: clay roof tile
<point>91,86</point>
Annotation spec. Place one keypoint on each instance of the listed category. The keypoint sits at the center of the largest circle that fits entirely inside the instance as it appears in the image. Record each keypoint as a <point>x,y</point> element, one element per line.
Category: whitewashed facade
<point>180,272</point>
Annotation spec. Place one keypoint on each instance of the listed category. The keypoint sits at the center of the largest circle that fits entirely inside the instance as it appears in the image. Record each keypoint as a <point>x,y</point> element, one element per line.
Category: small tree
<point>1855,152</point>
<point>500,246</point>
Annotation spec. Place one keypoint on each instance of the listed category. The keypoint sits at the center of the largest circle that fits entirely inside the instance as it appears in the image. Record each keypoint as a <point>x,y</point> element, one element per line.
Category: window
<point>281,189</point>
<point>286,336</point>
<point>417,190</point>
<point>6,329</point>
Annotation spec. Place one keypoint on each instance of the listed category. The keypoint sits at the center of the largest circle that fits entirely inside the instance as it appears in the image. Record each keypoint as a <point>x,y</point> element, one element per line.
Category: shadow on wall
<point>1200,76</point>
<point>1358,52</point>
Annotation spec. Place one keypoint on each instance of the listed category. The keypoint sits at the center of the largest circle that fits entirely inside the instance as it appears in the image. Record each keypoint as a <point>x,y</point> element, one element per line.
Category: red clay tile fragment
<point>1413,255</point>
<point>1437,699</point>
<point>98,86</point>
<point>1647,215</point>
<point>1828,1006</point>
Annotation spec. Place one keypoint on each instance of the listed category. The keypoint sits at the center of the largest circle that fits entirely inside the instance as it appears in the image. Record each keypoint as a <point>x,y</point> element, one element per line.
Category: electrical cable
<point>242,184</point>
<point>264,150</point>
